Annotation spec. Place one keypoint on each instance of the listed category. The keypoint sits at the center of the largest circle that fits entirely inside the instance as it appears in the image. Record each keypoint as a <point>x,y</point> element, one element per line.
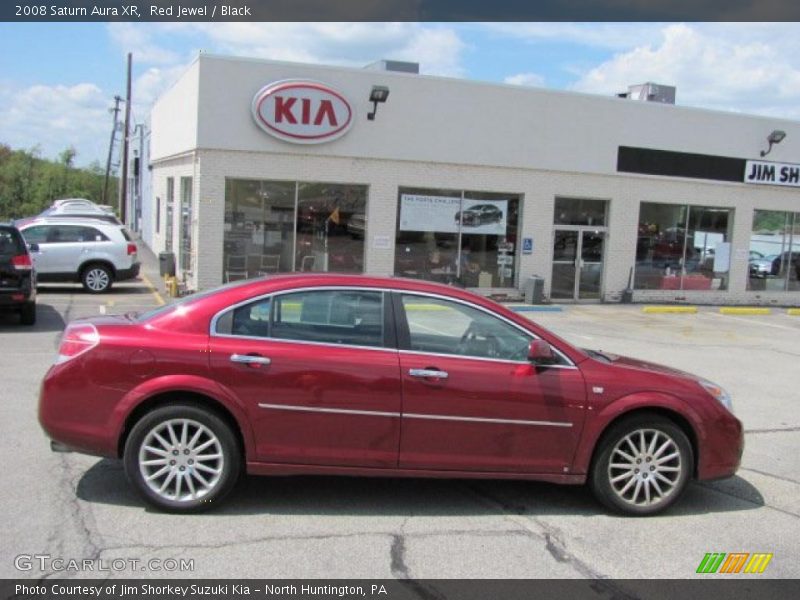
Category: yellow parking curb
<point>744,310</point>
<point>795,312</point>
<point>153,290</point>
<point>669,309</point>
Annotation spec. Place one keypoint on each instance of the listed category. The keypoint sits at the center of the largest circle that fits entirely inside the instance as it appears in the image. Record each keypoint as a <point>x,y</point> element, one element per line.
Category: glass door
<point>565,254</point>
<point>590,266</point>
<point>577,264</point>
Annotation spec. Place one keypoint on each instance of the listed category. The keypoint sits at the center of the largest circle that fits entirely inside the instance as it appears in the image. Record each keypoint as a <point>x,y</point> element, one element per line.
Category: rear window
<point>126,234</point>
<point>10,242</point>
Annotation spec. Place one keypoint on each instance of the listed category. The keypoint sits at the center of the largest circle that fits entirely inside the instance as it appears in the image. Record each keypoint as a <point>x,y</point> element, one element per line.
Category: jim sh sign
<point>302,111</point>
<point>772,173</point>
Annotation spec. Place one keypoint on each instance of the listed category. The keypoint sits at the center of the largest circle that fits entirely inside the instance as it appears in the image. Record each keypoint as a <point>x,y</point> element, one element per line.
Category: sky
<point>58,80</point>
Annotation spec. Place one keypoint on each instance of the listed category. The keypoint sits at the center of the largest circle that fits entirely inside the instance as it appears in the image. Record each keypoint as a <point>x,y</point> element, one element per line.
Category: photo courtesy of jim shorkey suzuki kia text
<point>194,589</point>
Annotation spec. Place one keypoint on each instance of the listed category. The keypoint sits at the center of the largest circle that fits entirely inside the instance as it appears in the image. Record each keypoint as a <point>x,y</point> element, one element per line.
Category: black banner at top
<point>398,10</point>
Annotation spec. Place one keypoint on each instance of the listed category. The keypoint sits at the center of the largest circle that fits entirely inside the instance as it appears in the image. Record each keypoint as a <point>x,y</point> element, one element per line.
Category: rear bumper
<point>133,272</point>
<point>13,298</point>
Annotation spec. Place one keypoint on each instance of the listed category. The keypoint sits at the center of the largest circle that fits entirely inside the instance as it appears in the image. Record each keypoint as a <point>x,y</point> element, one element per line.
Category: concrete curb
<point>744,310</point>
<point>537,308</point>
<point>794,312</point>
<point>669,309</point>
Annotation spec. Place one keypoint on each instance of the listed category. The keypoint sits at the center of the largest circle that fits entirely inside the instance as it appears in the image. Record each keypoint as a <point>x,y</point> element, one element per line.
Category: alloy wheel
<point>181,460</point>
<point>645,467</point>
<point>97,279</point>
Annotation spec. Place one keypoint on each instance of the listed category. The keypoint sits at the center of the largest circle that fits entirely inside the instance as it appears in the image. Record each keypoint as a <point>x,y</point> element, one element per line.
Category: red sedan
<point>354,375</point>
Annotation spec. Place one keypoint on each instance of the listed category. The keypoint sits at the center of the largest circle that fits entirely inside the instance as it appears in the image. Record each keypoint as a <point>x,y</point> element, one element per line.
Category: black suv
<point>17,276</point>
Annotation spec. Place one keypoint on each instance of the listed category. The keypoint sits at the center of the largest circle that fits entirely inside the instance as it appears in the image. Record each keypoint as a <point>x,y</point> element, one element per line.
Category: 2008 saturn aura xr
<point>358,375</point>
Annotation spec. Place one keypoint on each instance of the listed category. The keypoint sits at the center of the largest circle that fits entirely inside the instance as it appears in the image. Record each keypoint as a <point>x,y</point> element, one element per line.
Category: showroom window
<point>774,261</point>
<point>683,247</point>
<point>457,237</point>
<point>285,226</point>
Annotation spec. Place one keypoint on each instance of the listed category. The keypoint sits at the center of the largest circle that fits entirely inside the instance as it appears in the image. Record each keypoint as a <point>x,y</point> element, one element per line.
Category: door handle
<point>428,373</point>
<point>250,359</point>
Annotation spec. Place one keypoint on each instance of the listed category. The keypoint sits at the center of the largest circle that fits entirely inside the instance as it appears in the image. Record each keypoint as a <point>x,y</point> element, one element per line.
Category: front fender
<point>605,415</point>
<point>183,383</point>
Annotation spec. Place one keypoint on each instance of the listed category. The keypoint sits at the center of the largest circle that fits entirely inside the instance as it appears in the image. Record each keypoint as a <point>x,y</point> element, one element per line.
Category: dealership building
<point>258,167</point>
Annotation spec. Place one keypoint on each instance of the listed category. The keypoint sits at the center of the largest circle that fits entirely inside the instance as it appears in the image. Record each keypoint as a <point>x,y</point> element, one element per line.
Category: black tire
<point>229,465</point>
<point>27,314</point>
<point>613,484</point>
<point>97,278</point>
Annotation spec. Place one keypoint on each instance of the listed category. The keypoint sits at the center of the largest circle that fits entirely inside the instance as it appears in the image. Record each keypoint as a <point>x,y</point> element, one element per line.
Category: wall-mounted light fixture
<point>776,137</point>
<point>378,94</point>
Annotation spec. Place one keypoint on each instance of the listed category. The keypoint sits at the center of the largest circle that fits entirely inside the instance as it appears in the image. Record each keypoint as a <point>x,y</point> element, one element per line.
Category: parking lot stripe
<point>744,310</point>
<point>154,291</point>
<point>795,312</point>
<point>669,309</point>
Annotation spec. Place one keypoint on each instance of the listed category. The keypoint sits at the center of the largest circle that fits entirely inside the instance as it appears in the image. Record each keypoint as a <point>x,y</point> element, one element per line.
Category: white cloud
<point>743,67</point>
<point>438,49</point>
<point>138,39</point>
<point>600,35</point>
<point>531,79</point>
<point>57,117</point>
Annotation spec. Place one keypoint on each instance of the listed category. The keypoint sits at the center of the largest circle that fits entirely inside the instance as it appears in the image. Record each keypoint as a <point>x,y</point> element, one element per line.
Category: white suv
<point>90,251</point>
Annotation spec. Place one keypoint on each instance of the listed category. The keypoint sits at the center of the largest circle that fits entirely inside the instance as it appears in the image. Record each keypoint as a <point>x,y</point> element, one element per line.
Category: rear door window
<point>347,317</point>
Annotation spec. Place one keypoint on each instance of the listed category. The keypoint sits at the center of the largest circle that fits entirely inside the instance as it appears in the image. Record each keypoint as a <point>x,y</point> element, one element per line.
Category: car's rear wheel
<point>642,466</point>
<point>97,279</point>
<point>182,458</point>
<point>27,313</point>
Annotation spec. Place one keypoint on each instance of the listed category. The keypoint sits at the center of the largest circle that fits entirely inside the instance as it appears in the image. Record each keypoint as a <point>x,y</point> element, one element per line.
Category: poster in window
<point>486,217</point>
<point>444,214</point>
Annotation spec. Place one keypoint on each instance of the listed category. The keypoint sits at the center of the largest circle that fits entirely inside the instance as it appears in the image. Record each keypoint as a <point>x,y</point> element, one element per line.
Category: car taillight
<point>77,339</point>
<point>131,248</point>
<point>22,262</point>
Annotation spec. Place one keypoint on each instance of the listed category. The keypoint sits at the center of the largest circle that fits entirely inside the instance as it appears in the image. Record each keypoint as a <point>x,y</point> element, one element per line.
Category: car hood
<point>640,365</point>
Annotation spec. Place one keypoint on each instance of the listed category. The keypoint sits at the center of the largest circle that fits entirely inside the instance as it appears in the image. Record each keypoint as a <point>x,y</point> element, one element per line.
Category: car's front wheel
<point>96,279</point>
<point>182,458</point>
<point>642,466</point>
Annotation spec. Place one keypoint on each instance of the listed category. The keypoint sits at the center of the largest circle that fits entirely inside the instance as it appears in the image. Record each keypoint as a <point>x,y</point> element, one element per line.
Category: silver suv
<point>90,251</point>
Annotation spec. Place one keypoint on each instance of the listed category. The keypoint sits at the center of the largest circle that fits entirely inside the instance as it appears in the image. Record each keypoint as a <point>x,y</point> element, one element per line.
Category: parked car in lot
<point>480,214</point>
<point>786,260</point>
<point>74,208</point>
<point>90,251</point>
<point>762,267</point>
<point>357,375</point>
<point>17,276</point>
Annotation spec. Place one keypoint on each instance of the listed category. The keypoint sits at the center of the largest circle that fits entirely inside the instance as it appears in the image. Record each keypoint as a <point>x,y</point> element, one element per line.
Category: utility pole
<point>123,205</point>
<point>115,110</point>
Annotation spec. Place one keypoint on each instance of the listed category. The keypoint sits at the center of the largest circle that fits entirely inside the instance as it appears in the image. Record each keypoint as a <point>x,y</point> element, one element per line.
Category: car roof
<point>75,220</point>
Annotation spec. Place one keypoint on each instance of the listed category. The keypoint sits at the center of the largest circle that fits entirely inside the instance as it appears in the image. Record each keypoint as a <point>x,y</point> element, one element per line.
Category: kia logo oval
<point>302,111</point>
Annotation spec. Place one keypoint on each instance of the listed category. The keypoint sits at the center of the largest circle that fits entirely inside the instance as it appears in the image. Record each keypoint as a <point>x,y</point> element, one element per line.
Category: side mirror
<point>33,247</point>
<point>541,353</point>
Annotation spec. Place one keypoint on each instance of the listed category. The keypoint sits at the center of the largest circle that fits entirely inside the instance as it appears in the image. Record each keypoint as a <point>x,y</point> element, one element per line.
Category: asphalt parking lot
<point>74,506</point>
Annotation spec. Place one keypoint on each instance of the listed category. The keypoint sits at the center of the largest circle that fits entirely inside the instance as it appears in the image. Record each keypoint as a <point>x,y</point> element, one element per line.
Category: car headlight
<point>717,392</point>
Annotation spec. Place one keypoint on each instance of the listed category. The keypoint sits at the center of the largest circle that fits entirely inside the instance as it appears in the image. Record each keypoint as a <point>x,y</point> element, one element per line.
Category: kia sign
<point>302,112</point>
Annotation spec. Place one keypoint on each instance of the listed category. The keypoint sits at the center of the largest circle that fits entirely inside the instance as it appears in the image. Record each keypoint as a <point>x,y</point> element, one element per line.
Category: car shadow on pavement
<point>126,287</point>
<point>47,319</point>
<point>105,483</point>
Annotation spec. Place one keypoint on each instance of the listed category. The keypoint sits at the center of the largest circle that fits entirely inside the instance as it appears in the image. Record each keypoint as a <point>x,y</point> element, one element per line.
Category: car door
<point>45,258</point>
<point>318,373</point>
<point>472,401</point>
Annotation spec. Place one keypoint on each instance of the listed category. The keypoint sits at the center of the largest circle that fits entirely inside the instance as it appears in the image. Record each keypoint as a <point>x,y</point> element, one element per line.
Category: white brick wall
<point>538,190</point>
